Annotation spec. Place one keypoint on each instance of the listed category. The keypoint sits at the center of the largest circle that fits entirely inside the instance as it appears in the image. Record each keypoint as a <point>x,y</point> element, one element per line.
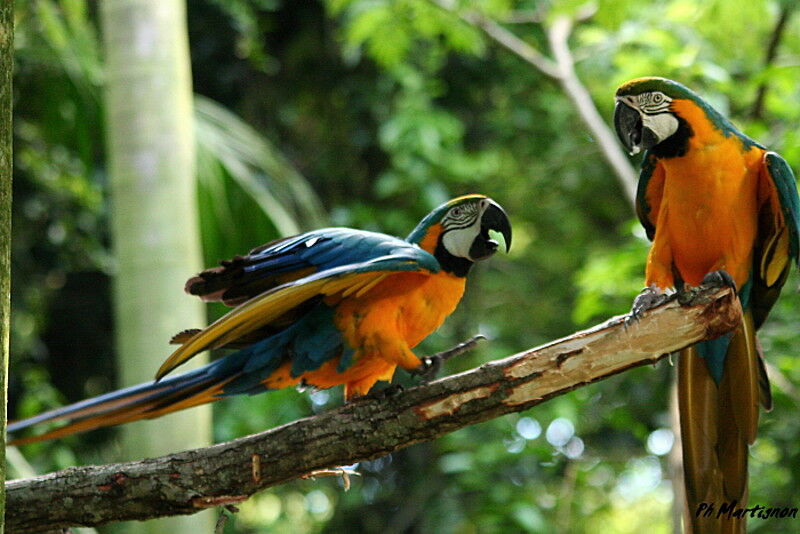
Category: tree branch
<point>228,473</point>
<point>503,37</point>
<point>558,34</point>
<point>772,51</point>
<point>563,71</point>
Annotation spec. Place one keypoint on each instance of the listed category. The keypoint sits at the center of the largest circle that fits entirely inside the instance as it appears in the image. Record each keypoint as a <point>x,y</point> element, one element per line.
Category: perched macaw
<point>328,307</point>
<point>715,203</point>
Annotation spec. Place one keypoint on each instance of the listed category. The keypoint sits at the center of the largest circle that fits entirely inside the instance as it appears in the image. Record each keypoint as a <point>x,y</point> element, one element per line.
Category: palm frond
<point>256,166</point>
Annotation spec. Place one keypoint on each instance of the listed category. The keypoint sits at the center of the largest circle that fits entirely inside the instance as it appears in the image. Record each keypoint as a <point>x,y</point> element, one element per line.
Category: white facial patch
<point>462,225</point>
<point>654,107</point>
<point>459,241</point>
<point>662,125</point>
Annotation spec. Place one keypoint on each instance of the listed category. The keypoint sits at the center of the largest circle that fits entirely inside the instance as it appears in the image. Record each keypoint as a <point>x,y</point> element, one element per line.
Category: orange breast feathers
<point>704,206</point>
<point>382,325</point>
<point>397,314</point>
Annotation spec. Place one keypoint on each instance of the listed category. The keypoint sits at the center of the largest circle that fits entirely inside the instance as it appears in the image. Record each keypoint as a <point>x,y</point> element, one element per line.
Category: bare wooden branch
<point>229,473</point>
<point>503,37</point>
<point>757,111</point>
<point>558,34</point>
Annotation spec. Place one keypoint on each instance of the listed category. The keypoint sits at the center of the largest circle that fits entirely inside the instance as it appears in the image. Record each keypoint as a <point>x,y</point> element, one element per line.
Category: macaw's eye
<point>458,211</point>
<point>658,98</point>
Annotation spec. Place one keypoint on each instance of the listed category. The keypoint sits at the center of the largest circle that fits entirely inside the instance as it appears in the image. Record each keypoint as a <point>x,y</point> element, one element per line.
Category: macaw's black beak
<point>631,131</point>
<point>629,127</point>
<point>495,219</point>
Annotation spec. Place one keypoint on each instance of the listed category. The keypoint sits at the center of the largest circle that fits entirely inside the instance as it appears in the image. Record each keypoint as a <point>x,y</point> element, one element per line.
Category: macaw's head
<point>653,112</point>
<point>457,232</point>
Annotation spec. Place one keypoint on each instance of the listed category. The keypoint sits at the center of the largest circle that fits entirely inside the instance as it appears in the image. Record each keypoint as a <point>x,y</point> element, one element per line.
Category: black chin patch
<point>676,144</point>
<point>649,139</point>
<point>451,264</point>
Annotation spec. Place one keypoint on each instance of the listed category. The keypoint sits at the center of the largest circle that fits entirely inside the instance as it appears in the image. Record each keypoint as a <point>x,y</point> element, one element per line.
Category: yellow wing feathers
<point>264,309</point>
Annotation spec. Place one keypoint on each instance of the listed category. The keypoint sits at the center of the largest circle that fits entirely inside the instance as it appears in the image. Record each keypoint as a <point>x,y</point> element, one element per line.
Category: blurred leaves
<point>249,193</point>
<point>609,281</point>
<point>427,143</point>
<point>392,30</point>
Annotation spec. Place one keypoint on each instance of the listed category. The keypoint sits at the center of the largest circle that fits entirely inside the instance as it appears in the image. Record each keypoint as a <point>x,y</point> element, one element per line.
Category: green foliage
<point>391,31</point>
<point>388,108</point>
<point>426,143</point>
<point>247,189</point>
<point>244,16</point>
<point>609,280</point>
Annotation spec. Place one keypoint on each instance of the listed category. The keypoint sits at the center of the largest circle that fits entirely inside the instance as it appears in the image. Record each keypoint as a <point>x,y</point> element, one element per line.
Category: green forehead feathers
<point>645,85</point>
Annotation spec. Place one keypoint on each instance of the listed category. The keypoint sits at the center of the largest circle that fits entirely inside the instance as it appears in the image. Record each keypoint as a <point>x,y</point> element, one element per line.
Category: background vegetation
<point>367,113</point>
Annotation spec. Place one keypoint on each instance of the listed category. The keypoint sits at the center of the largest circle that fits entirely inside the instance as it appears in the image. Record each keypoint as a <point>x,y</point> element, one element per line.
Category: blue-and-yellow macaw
<point>328,307</point>
<point>712,200</point>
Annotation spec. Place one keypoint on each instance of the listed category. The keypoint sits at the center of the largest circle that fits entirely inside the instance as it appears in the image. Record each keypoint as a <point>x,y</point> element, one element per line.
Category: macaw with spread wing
<point>329,307</point>
<point>715,203</point>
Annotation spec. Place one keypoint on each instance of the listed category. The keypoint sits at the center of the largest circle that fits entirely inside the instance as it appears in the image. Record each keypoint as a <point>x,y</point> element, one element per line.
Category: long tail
<point>718,423</point>
<point>145,401</point>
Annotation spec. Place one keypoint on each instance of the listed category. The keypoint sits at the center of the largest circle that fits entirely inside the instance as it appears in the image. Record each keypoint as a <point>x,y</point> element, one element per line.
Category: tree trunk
<point>154,212</point>
<point>6,69</point>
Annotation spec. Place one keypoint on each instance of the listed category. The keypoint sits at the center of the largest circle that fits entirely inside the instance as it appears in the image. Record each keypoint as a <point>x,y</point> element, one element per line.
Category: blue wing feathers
<point>755,294</point>
<point>326,249</point>
<point>275,264</point>
<point>326,254</point>
<point>308,342</point>
<point>270,265</point>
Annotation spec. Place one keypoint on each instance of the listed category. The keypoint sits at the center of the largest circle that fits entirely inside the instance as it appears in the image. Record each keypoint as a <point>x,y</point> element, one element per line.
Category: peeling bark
<point>367,428</point>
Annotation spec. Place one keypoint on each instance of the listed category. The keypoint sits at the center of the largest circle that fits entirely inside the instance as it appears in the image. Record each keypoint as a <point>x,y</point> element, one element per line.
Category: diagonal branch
<point>757,111</point>
<point>227,473</point>
<point>503,37</point>
<point>577,92</point>
<point>561,69</point>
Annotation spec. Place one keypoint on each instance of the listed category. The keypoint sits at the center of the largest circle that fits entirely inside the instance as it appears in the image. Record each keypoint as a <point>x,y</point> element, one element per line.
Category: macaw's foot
<point>649,298</point>
<point>719,278</point>
<point>431,365</point>
<point>714,280</point>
